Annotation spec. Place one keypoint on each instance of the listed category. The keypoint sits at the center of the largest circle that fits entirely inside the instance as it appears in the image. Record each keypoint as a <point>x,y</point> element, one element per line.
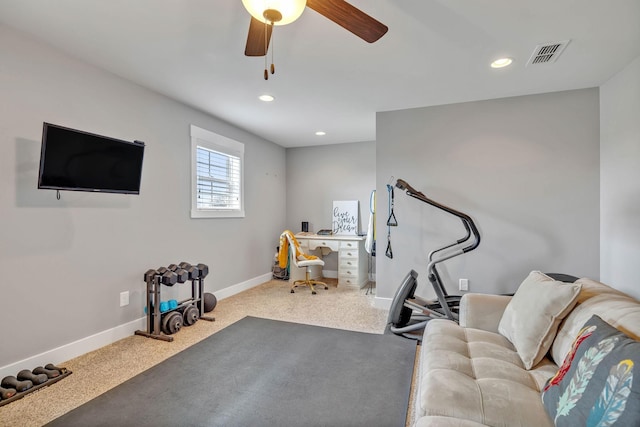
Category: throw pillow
<point>598,383</point>
<point>530,320</point>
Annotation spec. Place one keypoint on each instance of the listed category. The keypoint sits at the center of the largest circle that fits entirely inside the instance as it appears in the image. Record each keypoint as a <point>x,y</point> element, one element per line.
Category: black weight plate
<point>171,323</point>
<point>191,315</point>
<point>175,323</point>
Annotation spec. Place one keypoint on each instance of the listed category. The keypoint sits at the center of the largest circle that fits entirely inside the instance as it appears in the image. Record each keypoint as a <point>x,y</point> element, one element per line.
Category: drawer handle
<point>348,272</point>
<point>349,244</point>
<point>324,243</point>
<point>349,253</point>
<point>349,262</point>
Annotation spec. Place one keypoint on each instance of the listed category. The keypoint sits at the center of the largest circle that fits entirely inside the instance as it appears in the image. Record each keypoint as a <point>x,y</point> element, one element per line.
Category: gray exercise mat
<point>260,372</point>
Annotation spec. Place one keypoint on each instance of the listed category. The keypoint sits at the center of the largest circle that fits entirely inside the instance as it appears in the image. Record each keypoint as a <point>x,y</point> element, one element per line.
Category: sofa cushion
<point>445,422</point>
<point>471,376</point>
<point>611,305</point>
<point>599,382</point>
<point>482,311</point>
<point>531,318</point>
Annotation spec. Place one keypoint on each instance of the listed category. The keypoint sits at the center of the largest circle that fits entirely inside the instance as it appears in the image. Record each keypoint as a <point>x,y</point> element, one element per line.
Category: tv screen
<point>82,161</point>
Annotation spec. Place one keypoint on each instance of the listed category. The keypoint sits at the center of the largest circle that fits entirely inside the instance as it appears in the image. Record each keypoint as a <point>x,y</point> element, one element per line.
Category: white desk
<point>352,257</point>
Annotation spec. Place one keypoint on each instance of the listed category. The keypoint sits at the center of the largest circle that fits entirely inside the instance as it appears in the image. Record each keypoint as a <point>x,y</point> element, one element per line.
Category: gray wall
<point>525,168</point>
<point>64,263</point>
<point>316,176</point>
<point>620,179</point>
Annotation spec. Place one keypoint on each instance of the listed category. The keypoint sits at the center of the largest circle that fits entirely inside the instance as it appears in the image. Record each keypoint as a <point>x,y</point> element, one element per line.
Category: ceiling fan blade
<point>350,18</point>
<point>256,44</point>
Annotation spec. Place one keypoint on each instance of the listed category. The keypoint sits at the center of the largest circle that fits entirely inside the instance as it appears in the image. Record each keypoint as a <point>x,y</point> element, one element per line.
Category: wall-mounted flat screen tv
<point>81,161</point>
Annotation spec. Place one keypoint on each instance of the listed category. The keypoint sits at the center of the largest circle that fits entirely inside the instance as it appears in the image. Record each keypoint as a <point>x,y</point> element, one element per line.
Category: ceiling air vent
<point>547,53</point>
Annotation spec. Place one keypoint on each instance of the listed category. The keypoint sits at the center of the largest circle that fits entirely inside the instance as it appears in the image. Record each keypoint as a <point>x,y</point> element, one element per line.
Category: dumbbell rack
<point>154,285</point>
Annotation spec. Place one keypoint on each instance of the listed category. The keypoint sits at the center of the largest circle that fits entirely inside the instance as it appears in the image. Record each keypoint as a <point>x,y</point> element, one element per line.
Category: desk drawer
<point>347,253</point>
<point>349,244</point>
<point>304,245</point>
<point>348,270</point>
<point>331,244</point>
<point>346,263</point>
<point>348,280</point>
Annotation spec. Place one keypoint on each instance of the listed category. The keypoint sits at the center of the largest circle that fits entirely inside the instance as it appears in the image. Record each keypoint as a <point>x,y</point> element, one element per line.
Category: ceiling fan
<point>267,13</point>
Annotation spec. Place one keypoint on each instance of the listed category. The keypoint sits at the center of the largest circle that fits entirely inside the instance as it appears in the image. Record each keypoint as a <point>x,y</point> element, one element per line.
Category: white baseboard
<point>243,286</point>
<point>384,303</point>
<point>74,349</point>
<point>84,345</point>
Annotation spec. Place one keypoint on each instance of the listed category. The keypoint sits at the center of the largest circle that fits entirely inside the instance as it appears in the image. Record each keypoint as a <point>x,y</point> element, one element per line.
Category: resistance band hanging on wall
<point>391,221</point>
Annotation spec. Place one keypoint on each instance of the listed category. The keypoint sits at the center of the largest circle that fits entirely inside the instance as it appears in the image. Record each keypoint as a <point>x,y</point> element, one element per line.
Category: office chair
<point>289,244</point>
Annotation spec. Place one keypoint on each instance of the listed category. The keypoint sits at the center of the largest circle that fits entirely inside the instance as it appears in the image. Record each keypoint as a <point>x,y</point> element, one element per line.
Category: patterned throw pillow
<point>598,383</point>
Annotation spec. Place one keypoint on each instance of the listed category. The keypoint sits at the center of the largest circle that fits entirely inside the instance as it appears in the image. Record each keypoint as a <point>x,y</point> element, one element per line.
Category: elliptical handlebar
<point>468,223</point>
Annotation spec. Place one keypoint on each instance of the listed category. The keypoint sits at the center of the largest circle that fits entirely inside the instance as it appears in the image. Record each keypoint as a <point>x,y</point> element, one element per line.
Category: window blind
<point>218,180</point>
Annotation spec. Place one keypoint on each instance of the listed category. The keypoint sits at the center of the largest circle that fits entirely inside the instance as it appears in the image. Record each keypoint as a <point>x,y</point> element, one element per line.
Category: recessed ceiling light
<point>266,98</point>
<point>502,62</point>
<point>320,133</point>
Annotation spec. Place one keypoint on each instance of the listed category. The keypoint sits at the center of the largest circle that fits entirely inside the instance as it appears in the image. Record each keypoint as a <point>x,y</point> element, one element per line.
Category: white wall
<point>64,263</point>
<point>316,176</point>
<point>524,168</point>
<point>620,179</point>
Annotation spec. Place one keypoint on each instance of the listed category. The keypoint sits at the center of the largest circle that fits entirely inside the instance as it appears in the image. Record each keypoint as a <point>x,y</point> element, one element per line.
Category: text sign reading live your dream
<point>345,217</point>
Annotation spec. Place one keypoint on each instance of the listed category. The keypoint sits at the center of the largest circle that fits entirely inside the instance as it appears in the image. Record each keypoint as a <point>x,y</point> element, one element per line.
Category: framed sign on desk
<point>344,218</point>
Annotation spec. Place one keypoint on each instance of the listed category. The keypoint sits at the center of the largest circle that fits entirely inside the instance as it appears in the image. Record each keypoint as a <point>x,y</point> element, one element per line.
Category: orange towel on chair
<point>283,254</point>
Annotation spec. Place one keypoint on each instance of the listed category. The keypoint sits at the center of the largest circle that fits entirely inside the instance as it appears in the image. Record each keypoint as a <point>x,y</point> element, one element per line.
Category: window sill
<point>216,214</point>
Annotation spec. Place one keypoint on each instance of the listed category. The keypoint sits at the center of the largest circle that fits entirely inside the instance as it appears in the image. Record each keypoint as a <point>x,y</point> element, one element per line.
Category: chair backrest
<point>292,251</point>
<point>295,252</point>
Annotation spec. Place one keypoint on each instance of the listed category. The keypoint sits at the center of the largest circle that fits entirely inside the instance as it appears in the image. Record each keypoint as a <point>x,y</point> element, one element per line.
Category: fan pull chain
<point>273,47</point>
<point>266,47</point>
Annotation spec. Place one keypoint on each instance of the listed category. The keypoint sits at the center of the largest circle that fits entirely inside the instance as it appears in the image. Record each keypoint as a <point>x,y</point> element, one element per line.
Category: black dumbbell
<point>13,382</point>
<point>193,271</point>
<point>50,373</point>
<point>183,275</point>
<point>6,393</point>
<point>53,367</point>
<point>204,270</point>
<point>149,275</point>
<point>167,277</point>
<point>36,379</point>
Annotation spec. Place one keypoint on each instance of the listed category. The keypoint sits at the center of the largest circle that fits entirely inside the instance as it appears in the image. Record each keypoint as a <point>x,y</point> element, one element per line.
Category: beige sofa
<point>472,375</point>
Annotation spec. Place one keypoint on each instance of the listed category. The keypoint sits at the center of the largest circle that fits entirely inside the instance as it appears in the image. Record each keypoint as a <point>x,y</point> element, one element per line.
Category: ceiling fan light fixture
<point>264,10</point>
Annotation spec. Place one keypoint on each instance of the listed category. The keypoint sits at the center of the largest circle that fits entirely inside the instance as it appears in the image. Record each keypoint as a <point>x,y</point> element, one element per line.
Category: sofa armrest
<point>482,311</point>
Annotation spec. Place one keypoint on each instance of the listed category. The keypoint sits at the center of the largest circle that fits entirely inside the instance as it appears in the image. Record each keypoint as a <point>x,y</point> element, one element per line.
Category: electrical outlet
<point>124,298</point>
<point>463,285</point>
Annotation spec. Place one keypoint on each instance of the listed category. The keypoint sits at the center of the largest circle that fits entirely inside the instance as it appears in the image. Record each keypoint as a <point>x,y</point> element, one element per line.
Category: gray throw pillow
<point>598,383</point>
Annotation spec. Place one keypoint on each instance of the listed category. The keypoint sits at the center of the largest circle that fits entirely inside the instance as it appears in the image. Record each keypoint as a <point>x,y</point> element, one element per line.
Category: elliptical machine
<point>402,320</point>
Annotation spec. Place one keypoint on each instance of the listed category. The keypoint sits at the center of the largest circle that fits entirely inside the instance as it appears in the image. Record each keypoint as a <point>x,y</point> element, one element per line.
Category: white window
<point>217,182</point>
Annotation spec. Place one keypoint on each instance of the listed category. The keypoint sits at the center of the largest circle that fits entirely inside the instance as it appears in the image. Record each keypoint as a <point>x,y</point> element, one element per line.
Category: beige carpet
<point>98,371</point>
